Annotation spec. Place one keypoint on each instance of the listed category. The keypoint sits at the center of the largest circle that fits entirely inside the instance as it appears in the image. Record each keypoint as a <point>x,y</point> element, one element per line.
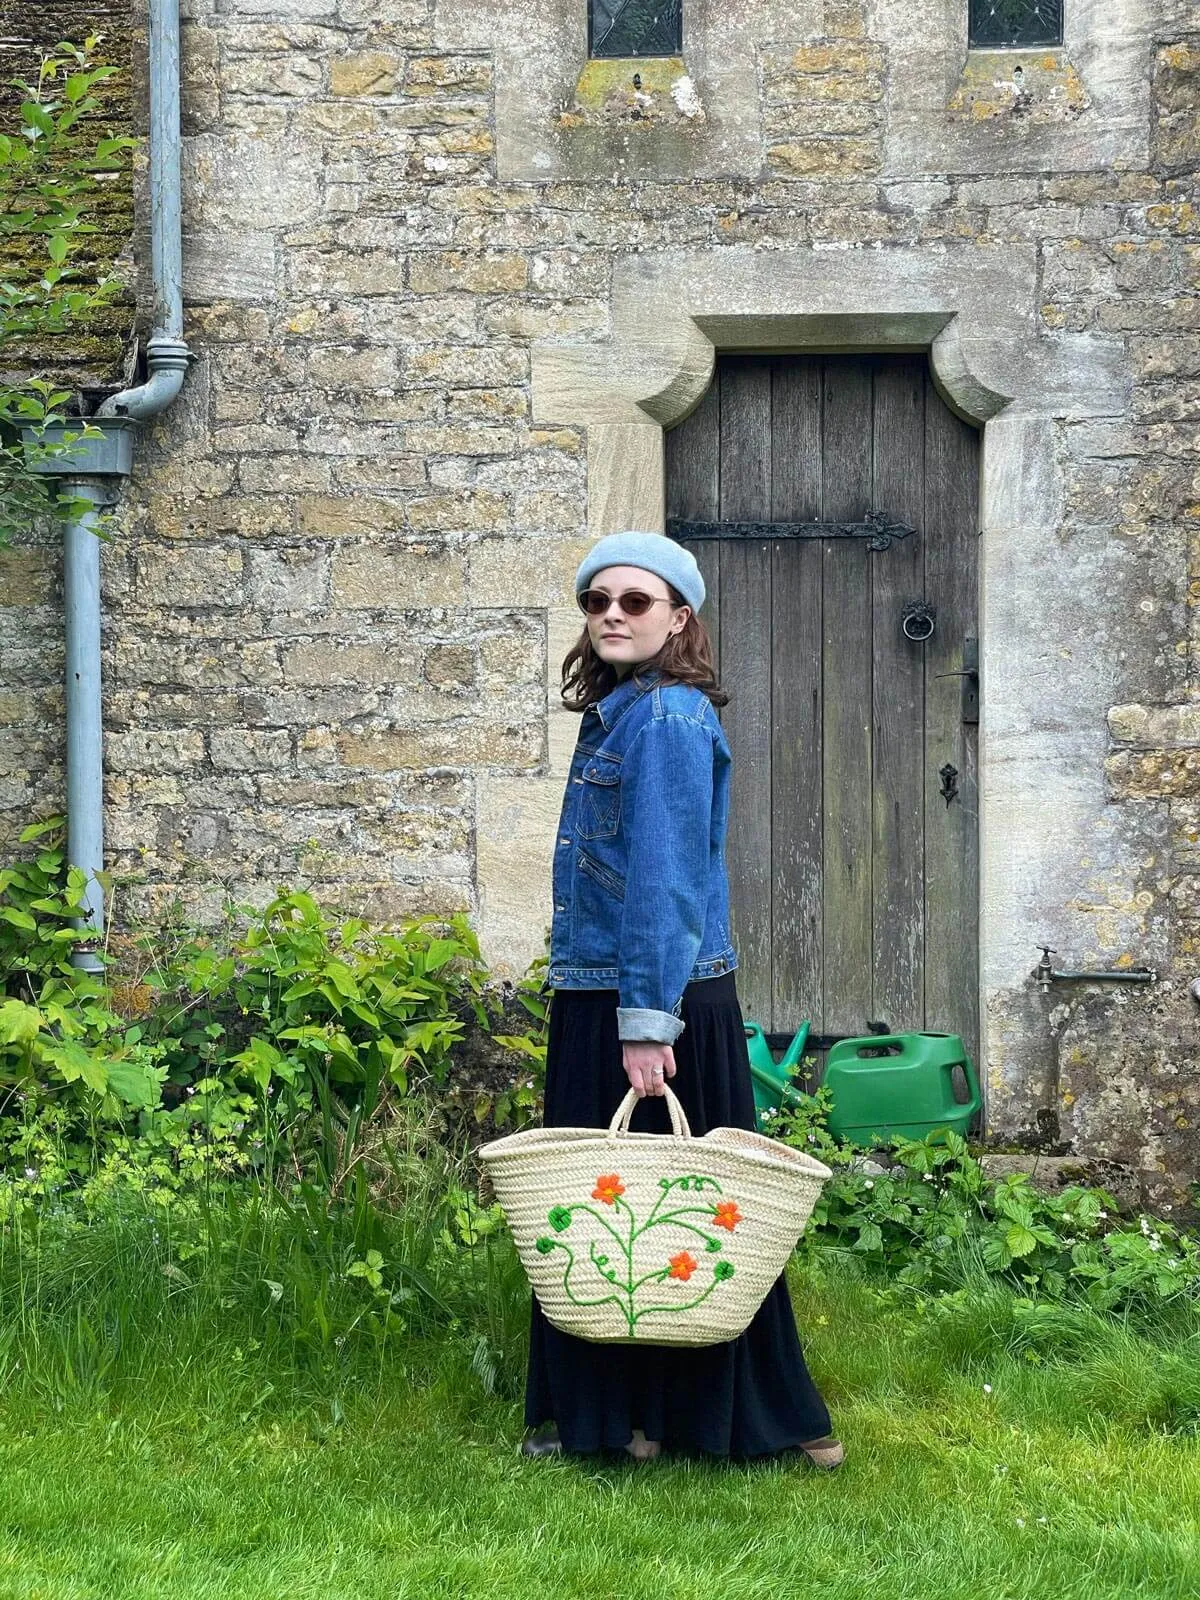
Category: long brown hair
<point>685,657</point>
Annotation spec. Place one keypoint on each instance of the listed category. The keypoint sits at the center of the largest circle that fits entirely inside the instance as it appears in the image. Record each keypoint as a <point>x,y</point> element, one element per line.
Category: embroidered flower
<point>682,1266</point>
<point>723,1270</point>
<point>727,1215</point>
<point>608,1188</point>
<point>559,1218</point>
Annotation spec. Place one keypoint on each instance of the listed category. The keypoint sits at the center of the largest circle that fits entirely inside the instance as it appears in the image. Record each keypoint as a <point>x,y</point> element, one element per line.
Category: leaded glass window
<point>635,27</point>
<point>999,23</point>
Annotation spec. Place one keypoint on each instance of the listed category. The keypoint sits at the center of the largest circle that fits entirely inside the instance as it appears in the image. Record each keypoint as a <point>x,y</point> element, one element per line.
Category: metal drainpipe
<point>96,469</point>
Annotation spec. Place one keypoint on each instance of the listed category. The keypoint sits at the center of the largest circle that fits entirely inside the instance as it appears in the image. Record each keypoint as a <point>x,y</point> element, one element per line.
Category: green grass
<point>155,1442</point>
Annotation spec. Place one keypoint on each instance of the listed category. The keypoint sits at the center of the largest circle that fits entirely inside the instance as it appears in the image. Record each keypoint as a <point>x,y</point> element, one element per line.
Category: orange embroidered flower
<point>682,1266</point>
<point>727,1215</point>
<point>608,1188</point>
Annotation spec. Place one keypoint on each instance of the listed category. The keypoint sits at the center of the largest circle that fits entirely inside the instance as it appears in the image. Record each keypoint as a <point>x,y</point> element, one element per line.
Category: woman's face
<point>625,641</point>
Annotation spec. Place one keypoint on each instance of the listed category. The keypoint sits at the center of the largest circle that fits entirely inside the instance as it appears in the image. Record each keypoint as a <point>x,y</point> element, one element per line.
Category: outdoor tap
<point>1046,974</point>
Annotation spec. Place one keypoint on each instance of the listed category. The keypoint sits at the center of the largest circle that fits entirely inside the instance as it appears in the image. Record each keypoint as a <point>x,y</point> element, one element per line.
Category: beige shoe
<point>641,1448</point>
<point>827,1453</point>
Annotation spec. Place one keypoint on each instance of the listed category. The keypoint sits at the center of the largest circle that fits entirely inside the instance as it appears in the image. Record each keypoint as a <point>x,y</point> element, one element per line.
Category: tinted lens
<point>633,602</point>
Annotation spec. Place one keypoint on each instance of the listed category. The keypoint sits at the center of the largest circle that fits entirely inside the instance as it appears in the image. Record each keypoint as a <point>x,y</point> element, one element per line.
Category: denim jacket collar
<point>631,686</point>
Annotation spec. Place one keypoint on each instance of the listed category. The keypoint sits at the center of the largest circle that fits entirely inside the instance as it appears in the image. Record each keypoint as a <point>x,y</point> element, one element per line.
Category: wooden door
<point>853,840</point>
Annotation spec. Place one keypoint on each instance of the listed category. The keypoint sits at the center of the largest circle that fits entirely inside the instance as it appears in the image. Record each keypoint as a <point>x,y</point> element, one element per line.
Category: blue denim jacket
<point>641,896</point>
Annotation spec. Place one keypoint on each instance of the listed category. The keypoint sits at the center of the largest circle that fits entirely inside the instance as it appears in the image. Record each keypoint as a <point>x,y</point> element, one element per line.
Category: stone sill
<point>1040,85</point>
<point>645,91</point>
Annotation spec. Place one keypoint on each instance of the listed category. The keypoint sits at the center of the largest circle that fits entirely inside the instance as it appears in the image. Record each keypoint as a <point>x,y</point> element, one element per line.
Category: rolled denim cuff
<point>637,1022</point>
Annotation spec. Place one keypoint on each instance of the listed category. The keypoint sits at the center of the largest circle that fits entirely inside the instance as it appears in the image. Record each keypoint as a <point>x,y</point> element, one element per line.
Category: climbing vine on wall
<point>52,172</point>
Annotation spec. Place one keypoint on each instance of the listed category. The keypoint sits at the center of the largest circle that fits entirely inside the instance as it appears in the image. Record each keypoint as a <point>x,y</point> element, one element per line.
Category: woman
<point>641,970</point>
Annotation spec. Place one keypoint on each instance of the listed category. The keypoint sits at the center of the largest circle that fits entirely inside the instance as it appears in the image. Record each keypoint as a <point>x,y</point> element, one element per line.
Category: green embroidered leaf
<point>559,1219</point>
<point>723,1271</point>
<point>544,1245</point>
<point>712,1245</point>
<point>601,1261</point>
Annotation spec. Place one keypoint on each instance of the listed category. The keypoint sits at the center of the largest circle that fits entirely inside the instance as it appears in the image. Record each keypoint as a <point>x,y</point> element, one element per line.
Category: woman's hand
<point>645,1065</point>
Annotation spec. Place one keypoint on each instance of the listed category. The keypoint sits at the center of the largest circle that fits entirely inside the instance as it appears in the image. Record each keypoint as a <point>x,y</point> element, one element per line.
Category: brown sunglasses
<point>633,602</point>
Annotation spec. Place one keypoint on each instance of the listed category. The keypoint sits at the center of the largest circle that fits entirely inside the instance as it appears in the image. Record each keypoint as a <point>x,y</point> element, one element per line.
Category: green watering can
<point>898,1084</point>
<point>773,1088</point>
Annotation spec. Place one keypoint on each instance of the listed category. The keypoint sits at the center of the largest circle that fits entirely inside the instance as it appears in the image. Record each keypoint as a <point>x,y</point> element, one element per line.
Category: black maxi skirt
<point>749,1396</point>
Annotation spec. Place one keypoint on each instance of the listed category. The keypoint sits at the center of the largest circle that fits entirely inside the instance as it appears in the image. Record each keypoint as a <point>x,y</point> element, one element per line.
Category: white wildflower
<point>1102,1216</point>
<point>1156,1244</point>
<point>868,1183</point>
<point>987,1388</point>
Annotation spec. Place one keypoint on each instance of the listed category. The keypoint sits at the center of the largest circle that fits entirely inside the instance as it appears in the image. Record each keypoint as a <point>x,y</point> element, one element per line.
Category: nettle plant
<point>51,174</point>
<point>936,1210</point>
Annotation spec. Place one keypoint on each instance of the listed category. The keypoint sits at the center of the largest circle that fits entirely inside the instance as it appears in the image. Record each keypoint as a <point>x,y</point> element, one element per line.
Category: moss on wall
<point>94,354</point>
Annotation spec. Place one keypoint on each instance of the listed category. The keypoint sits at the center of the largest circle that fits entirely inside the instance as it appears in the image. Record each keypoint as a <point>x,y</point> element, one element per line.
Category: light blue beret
<point>652,551</point>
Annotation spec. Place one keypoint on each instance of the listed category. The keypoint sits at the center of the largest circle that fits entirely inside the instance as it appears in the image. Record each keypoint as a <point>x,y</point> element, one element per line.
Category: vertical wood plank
<point>693,491</point>
<point>898,741</point>
<point>846,652</point>
<point>796,628</point>
<point>951,831</point>
<point>745,384</point>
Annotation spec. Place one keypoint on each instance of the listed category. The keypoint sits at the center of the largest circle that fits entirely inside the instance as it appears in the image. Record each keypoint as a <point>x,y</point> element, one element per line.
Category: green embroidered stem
<point>663,1272</point>
<point>668,1184</point>
<point>609,1299</point>
<point>603,1221</point>
<point>704,1211</point>
<point>687,1306</point>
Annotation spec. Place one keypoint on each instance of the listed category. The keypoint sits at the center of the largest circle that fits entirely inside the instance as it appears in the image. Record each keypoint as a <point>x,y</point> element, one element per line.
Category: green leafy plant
<point>50,177</point>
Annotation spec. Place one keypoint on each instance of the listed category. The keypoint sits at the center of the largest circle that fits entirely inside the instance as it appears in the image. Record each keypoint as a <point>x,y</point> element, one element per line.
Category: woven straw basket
<point>652,1238</point>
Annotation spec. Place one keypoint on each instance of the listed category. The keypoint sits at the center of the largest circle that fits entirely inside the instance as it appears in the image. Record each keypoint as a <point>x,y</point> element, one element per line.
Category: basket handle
<point>679,1123</point>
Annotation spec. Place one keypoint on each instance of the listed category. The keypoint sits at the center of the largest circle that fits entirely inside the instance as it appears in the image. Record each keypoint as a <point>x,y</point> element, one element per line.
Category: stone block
<point>471,742</point>
<point>154,750</point>
<point>285,474</point>
<point>249,750</point>
<point>370,72</point>
<point>335,661</point>
<point>1153,775</point>
<point>292,74</point>
<point>1156,727</point>
<point>463,75</point>
<point>334,273</point>
<point>466,366</point>
<point>353,368</point>
<point>288,579</point>
<point>336,517</point>
<point>189,575</point>
<point>486,273</point>
<point>398,578</point>
<point>28,577</point>
<point>824,158</point>
<point>451,666</point>
<point>471,511</point>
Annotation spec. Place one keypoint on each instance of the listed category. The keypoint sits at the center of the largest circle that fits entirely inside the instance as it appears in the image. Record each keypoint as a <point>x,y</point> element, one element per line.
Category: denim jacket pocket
<point>604,876</point>
<point>600,803</point>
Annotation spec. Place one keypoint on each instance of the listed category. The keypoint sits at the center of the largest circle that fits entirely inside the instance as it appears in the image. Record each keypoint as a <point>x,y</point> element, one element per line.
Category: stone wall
<point>336,608</point>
